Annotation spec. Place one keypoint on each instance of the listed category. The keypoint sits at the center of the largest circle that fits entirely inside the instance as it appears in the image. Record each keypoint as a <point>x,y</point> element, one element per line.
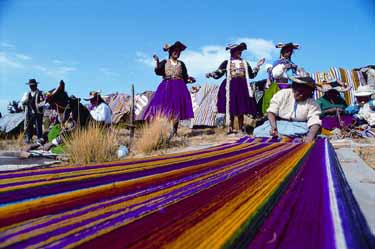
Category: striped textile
<point>353,78</point>
<point>254,193</point>
<point>205,111</point>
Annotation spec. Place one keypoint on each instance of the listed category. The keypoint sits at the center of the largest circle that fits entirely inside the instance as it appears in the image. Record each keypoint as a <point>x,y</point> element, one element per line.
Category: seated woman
<point>364,108</point>
<point>99,109</point>
<point>333,105</point>
<point>293,112</point>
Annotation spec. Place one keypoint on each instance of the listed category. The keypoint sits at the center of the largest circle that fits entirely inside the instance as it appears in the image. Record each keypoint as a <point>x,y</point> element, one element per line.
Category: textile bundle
<point>353,78</point>
<point>254,193</point>
<point>205,111</point>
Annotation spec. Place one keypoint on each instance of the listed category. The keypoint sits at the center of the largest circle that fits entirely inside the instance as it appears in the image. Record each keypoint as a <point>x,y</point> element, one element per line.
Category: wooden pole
<point>132,114</point>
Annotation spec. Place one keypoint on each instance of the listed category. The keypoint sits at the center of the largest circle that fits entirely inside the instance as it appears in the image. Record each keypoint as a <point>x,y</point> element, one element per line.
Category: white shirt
<point>102,113</point>
<point>366,113</point>
<point>284,106</point>
<point>279,71</point>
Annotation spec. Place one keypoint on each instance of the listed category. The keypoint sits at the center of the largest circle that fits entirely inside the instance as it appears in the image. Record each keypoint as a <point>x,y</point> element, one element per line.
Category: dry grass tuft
<point>154,135</point>
<point>20,139</point>
<point>93,144</point>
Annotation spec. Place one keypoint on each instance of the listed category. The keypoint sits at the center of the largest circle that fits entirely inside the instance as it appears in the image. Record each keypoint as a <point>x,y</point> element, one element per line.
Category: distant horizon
<point>96,45</point>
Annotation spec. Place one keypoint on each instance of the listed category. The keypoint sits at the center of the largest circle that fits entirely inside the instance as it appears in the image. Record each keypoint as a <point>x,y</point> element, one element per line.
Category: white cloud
<point>7,45</point>
<point>40,68</point>
<point>64,70</point>
<point>108,72</point>
<point>6,61</point>
<point>208,58</point>
<point>23,57</point>
<point>145,59</point>
<point>58,72</point>
<point>57,61</point>
<point>260,48</point>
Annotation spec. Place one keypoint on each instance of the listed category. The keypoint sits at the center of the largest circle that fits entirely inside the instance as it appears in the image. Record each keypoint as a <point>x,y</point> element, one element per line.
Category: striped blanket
<point>353,78</point>
<point>205,108</point>
<point>254,193</point>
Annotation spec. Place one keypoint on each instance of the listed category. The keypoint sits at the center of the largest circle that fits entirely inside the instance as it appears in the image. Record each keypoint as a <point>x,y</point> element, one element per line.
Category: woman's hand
<point>156,58</point>
<point>274,132</point>
<point>261,62</point>
<point>191,79</point>
<point>307,139</point>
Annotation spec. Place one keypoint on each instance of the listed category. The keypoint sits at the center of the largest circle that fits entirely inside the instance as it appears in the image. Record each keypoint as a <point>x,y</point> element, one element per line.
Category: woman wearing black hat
<point>333,105</point>
<point>234,98</point>
<point>293,112</point>
<point>33,102</point>
<point>172,98</point>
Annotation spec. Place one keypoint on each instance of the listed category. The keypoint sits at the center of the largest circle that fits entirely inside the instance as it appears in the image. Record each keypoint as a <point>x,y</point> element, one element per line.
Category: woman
<point>281,69</point>
<point>364,108</point>
<point>99,109</point>
<point>172,99</point>
<point>333,105</point>
<point>293,112</point>
<point>234,98</point>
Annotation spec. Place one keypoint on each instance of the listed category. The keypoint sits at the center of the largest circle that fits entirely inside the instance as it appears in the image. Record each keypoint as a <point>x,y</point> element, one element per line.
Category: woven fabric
<point>256,193</point>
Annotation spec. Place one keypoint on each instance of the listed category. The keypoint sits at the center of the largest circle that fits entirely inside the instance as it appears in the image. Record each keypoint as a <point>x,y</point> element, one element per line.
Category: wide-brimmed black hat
<point>307,81</point>
<point>287,45</point>
<point>177,44</point>
<point>32,82</point>
<point>92,95</point>
<point>241,46</point>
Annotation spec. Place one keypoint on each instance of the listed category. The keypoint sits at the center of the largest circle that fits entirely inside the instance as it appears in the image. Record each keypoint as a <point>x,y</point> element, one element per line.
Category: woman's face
<point>363,99</point>
<point>302,93</point>
<point>287,53</point>
<point>236,53</point>
<point>175,53</point>
<point>333,95</point>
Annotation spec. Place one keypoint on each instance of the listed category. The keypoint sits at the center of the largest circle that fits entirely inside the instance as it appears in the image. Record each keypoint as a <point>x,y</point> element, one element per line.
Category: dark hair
<point>285,50</point>
<point>170,51</point>
<point>296,86</point>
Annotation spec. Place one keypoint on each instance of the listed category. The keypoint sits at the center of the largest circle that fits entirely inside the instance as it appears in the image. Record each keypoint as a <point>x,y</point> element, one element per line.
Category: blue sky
<point>107,45</point>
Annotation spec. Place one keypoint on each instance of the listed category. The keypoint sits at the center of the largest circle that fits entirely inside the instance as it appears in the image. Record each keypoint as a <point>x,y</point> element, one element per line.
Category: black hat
<point>241,46</point>
<point>307,81</point>
<point>32,82</point>
<point>287,45</point>
<point>177,44</point>
<point>92,95</point>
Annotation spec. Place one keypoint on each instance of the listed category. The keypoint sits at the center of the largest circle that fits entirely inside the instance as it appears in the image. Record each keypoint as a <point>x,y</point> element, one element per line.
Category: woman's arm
<point>160,67</point>
<point>219,72</point>
<point>185,76</point>
<point>272,119</point>
<point>313,131</point>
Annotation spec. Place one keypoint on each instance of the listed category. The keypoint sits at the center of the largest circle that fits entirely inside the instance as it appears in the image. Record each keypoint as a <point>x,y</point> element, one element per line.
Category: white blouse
<point>102,113</point>
<point>284,106</point>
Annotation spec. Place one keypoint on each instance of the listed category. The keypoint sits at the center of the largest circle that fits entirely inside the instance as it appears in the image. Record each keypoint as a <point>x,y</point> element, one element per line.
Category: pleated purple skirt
<point>172,100</point>
<point>330,123</point>
<point>240,102</point>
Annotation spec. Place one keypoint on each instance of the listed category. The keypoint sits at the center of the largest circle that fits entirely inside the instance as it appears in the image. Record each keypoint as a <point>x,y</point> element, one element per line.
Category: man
<point>99,109</point>
<point>33,102</point>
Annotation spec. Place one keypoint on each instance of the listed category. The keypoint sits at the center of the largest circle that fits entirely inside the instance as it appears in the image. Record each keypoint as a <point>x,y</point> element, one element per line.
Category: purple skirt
<point>172,100</point>
<point>239,101</point>
<point>330,122</point>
